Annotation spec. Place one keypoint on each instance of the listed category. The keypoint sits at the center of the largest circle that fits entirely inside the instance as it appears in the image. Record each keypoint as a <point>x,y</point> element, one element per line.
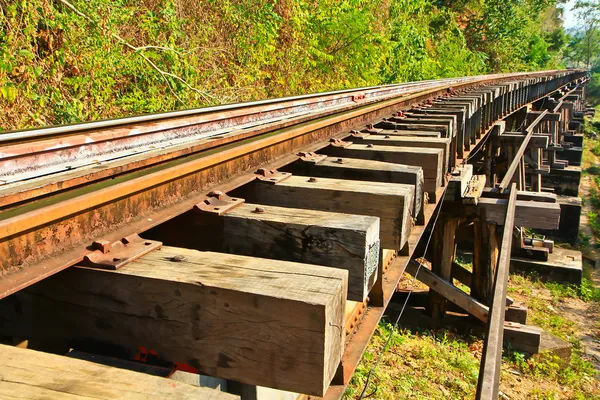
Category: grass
<point>545,303</point>
<point>419,364</point>
<point>437,364</point>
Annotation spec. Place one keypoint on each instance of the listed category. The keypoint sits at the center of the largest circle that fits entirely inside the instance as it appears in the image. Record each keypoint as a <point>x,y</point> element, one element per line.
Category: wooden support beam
<point>400,141</point>
<point>443,256</point>
<point>485,260</point>
<point>412,133</point>
<point>521,195</point>
<point>459,113</point>
<point>516,313</point>
<point>30,374</point>
<point>489,372</point>
<point>442,130</point>
<point>225,315</point>
<point>474,189</point>
<point>448,290</point>
<point>458,183</point>
<point>553,116</point>
<point>516,160</point>
<point>461,274</point>
<point>430,160</point>
<point>448,122</point>
<point>391,202</point>
<point>521,337</point>
<point>515,139</point>
<point>529,214</point>
<point>317,165</point>
<point>345,241</point>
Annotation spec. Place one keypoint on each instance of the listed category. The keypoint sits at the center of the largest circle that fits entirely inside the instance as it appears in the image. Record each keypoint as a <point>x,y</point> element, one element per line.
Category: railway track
<point>257,243</point>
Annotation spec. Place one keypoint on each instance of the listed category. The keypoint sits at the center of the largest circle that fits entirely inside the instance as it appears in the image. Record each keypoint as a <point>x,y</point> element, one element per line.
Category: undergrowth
<point>65,61</point>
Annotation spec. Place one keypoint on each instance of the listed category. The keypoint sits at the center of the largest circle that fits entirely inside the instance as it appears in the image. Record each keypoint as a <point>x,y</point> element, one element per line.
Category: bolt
<point>216,193</point>
<point>177,258</point>
<point>340,161</point>
<point>369,145</point>
<point>311,179</point>
<point>259,210</point>
<point>387,136</point>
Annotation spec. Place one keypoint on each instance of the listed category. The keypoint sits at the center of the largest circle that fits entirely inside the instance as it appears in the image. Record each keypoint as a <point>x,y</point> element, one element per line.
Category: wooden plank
<point>522,195</point>
<point>364,170</point>
<point>345,241</point>
<point>391,202</point>
<point>430,160</point>
<point>448,122</point>
<point>530,214</point>
<point>441,129</point>
<point>257,321</point>
<point>30,374</point>
<point>409,133</point>
<point>474,189</point>
<point>458,183</point>
<point>458,120</point>
<point>521,337</point>
<point>449,291</point>
<point>401,141</point>
<point>531,115</point>
<point>515,139</point>
<point>516,313</point>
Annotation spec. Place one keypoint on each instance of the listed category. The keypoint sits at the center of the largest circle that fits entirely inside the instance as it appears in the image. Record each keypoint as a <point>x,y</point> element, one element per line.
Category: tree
<point>588,12</point>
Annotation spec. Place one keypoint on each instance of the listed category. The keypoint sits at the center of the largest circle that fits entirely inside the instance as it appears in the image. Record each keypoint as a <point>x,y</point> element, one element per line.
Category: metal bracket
<point>358,134</point>
<point>372,130</point>
<point>271,175</point>
<point>218,203</point>
<point>339,143</point>
<point>112,256</point>
<point>312,158</point>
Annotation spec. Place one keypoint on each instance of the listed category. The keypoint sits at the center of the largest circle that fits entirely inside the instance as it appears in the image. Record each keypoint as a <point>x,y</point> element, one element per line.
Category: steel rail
<point>24,160</point>
<point>510,172</point>
<point>491,360</point>
<point>36,133</point>
<point>33,169</point>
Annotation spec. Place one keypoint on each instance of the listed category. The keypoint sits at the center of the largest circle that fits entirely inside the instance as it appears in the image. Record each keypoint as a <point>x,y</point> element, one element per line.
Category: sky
<point>570,20</point>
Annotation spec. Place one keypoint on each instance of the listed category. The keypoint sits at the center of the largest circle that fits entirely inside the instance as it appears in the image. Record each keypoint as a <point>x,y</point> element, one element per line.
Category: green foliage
<point>517,34</point>
<point>128,57</point>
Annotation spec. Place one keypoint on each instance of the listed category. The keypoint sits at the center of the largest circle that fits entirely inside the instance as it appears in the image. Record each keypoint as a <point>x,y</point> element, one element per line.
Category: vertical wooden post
<point>523,174</point>
<point>443,255</point>
<point>485,259</point>
<point>487,169</point>
<point>519,175</point>
<point>536,179</point>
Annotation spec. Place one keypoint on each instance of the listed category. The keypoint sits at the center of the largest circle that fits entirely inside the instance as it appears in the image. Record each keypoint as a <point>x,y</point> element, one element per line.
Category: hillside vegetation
<point>68,61</point>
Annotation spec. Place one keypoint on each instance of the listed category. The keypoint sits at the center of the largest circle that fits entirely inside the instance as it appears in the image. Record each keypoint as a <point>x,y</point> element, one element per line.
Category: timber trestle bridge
<point>252,249</point>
